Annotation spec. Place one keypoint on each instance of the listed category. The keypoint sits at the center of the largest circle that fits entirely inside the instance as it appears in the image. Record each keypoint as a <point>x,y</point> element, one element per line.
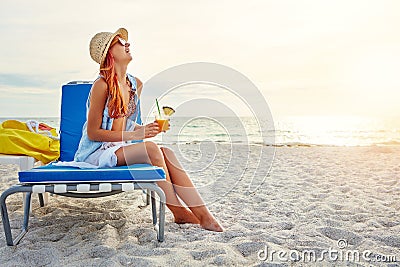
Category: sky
<point>307,57</point>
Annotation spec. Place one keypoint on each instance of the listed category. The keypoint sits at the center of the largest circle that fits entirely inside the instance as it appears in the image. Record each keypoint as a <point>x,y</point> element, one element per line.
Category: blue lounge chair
<point>82,183</point>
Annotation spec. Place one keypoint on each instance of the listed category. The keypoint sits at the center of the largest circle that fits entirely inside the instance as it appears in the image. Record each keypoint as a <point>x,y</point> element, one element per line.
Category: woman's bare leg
<point>188,193</point>
<point>149,152</point>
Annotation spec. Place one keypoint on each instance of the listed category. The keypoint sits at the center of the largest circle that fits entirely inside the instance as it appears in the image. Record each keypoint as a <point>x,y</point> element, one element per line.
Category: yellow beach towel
<point>34,139</point>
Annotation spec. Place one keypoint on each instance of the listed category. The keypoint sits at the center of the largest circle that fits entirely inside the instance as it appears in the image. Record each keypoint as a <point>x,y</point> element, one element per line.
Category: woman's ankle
<point>183,215</point>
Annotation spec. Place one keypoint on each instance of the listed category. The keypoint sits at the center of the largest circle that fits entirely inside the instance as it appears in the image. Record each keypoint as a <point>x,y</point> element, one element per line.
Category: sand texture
<point>313,197</point>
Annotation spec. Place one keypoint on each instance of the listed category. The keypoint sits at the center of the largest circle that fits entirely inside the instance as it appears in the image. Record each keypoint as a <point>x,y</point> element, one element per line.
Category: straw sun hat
<point>100,44</point>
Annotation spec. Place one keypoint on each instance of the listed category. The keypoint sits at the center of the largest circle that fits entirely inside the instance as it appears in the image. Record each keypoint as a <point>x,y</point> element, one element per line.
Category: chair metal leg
<point>160,225</point>
<point>161,222</point>
<point>148,197</point>
<point>5,219</point>
<point>4,213</point>
<point>160,236</point>
<point>41,200</point>
<point>153,207</point>
<point>27,209</point>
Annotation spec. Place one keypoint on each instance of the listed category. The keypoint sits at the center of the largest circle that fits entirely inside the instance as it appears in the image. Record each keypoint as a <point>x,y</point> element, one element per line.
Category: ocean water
<point>286,131</point>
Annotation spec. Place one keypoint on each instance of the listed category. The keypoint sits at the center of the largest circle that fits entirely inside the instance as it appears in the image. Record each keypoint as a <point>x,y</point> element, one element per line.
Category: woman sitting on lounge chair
<point>111,125</point>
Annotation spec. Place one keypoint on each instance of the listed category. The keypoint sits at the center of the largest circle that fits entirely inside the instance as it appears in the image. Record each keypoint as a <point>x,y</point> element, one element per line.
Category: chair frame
<point>81,189</point>
<point>75,190</point>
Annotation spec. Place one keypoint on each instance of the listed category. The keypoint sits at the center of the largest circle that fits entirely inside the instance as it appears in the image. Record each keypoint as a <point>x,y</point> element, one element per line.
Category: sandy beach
<point>314,199</point>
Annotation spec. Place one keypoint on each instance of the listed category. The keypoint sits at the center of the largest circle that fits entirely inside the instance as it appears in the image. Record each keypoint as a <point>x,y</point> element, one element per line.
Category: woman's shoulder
<point>99,86</point>
<point>100,81</point>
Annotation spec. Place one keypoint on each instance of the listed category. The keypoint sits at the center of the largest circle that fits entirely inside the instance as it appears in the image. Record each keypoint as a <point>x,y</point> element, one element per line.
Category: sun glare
<point>337,130</point>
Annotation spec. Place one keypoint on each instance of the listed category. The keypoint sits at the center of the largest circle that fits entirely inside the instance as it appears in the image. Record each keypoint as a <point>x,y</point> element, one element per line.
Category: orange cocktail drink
<point>162,117</point>
<point>163,124</point>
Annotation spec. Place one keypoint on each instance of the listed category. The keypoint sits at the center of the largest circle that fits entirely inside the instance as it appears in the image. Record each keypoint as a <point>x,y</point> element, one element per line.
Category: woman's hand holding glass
<point>151,130</point>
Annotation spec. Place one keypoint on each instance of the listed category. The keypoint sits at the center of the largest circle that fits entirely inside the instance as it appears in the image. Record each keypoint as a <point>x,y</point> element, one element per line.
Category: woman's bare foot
<point>185,216</point>
<point>211,224</point>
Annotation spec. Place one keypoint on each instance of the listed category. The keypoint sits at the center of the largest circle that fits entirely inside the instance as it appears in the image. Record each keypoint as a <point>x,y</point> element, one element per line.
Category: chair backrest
<point>73,116</point>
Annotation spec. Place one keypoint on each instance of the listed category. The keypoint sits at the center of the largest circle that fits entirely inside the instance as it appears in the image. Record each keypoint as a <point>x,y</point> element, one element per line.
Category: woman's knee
<point>154,153</point>
<point>169,155</point>
<point>166,150</point>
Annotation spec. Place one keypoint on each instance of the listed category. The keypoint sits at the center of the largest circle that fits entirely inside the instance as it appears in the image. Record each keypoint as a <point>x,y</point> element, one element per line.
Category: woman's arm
<point>98,100</point>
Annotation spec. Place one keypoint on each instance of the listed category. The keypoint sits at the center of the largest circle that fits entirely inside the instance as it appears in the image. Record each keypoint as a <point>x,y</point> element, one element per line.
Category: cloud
<point>23,80</point>
<point>8,92</point>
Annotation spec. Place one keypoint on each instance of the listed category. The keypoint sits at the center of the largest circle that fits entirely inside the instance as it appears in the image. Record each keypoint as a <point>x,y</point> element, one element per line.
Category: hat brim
<point>121,32</point>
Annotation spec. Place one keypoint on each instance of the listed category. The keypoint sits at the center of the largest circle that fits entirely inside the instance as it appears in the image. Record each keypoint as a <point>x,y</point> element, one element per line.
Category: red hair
<point>116,106</point>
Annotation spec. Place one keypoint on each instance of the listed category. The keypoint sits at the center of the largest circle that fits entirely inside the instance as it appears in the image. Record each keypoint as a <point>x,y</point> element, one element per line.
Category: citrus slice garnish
<point>168,110</point>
